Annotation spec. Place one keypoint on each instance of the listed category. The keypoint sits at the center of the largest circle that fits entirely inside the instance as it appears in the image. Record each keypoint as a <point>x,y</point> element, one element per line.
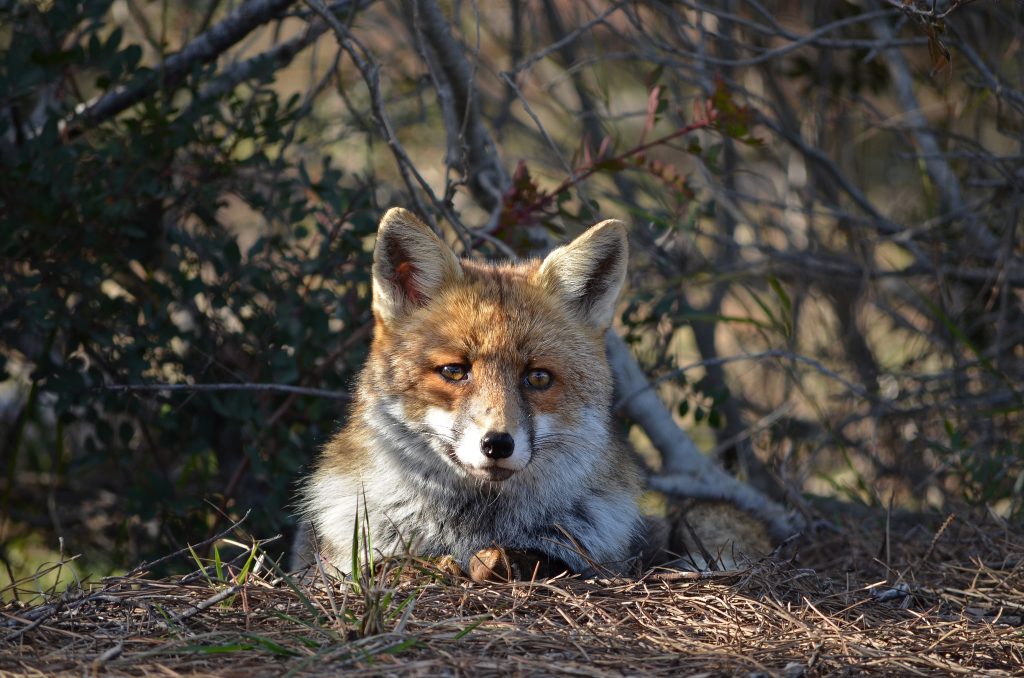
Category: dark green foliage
<point>119,266</point>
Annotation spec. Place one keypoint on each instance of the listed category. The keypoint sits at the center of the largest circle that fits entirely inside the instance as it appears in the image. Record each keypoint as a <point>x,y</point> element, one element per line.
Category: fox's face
<point>496,367</point>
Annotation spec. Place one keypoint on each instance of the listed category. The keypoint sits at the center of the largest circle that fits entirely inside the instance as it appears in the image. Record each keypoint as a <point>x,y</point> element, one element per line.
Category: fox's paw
<point>449,566</point>
<point>503,565</point>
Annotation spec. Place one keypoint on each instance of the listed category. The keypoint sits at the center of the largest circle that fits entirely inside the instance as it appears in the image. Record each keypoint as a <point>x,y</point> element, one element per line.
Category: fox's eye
<point>454,372</point>
<point>538,379</point>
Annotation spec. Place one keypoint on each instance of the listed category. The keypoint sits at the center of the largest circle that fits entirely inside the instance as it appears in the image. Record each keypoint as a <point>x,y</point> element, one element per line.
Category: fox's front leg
<point>503,565</point>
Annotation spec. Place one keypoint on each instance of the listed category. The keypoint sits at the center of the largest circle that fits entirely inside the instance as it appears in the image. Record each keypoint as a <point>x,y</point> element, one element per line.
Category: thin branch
<point>278,56</point>
<point>206,47</point>
<point>569,38</point>
<point>485,175</point>
<point>370,72</point>
<point>931,153</point>
<point>774,353</point>
<point>931,14</point>
<point>214,388</point>
<point>685,470</point>
<point>191,547</point>
<point>199,607</point>
<point>798,40</point>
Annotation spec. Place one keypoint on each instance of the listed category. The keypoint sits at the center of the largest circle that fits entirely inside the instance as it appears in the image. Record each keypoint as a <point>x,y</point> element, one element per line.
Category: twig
<point>110,653</point>
<point>279,55</point>
<point>723,360</point>
<point>486,177</point>
<point>191,547</point>
<point>370,72</point>
<point>169,622</point>
<point>685,471</point>
<point>569,38</point>
<point>14,635</point>
<point>206,47</point>
<point>206,388</point>
<point>930,14</point>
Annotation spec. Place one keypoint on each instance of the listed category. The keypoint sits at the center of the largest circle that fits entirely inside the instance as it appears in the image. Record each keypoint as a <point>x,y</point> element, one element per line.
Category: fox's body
<point>482,418</point>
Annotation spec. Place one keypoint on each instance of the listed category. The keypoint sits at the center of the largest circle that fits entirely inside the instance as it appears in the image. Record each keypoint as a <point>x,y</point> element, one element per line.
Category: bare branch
<point>370,71</point>
<point>142,567</point>
<point>924,138</point>
<point>485,175</point>
<point>206,47</point>
<point>278,56</point>
<point>215,388</point>
<point>685,470</point>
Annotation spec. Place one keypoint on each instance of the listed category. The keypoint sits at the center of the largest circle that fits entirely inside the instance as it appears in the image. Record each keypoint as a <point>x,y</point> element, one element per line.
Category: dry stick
<point>51,609</point>
<point>710,575</point>
<point>486,176</point>
<point>14,635</point>
<point>201,388</point>
<point>206,47</point>
<point>199,607</point>
<point>109,654</point>
<point>929,14</point>
<point>279,55</point>
<point>370,72</point>
<point>145,566</point>
<point>929,149</point>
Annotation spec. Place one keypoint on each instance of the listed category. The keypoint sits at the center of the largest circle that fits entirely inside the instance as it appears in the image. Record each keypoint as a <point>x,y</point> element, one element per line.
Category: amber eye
<point>538,379</point>
<point>454,372</point>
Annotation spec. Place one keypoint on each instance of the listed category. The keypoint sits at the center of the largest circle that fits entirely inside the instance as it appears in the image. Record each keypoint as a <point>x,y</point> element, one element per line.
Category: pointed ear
<point>588,272</point>
<point>410,265</point>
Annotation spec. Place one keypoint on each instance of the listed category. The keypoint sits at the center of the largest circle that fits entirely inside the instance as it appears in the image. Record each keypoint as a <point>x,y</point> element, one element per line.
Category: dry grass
<point>945,598</point>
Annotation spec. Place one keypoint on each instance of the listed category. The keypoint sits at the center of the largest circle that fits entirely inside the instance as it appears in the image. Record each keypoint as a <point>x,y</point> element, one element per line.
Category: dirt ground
<point>868,595</point>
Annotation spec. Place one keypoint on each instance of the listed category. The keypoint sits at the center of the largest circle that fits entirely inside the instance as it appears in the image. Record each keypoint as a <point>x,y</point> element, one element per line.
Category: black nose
<point>496,445</point>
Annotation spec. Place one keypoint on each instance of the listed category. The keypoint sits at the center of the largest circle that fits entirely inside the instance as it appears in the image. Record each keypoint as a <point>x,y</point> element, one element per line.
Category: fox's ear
<point>410,264</point>
<point>588,272</point>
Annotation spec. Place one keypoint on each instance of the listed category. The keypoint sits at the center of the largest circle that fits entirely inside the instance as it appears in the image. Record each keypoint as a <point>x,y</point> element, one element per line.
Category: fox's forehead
<point>499,311</point>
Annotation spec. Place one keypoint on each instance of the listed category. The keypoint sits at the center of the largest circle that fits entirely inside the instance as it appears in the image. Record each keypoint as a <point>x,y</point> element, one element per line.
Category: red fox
<point>481,427</point>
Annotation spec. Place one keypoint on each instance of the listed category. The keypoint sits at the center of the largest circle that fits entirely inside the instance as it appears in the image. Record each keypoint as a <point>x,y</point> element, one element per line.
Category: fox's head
<point>499,368</point>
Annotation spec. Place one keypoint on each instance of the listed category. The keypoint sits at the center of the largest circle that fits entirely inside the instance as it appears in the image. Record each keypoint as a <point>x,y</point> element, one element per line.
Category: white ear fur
<point>589,272</point>
<point>410,264</point>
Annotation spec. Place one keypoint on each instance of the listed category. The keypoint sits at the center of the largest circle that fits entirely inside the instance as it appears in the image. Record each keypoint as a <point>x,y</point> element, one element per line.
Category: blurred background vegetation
<point>825,203</point>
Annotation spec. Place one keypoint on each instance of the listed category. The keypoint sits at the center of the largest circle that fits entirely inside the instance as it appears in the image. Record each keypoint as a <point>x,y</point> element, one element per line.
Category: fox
<point>481,427</point>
